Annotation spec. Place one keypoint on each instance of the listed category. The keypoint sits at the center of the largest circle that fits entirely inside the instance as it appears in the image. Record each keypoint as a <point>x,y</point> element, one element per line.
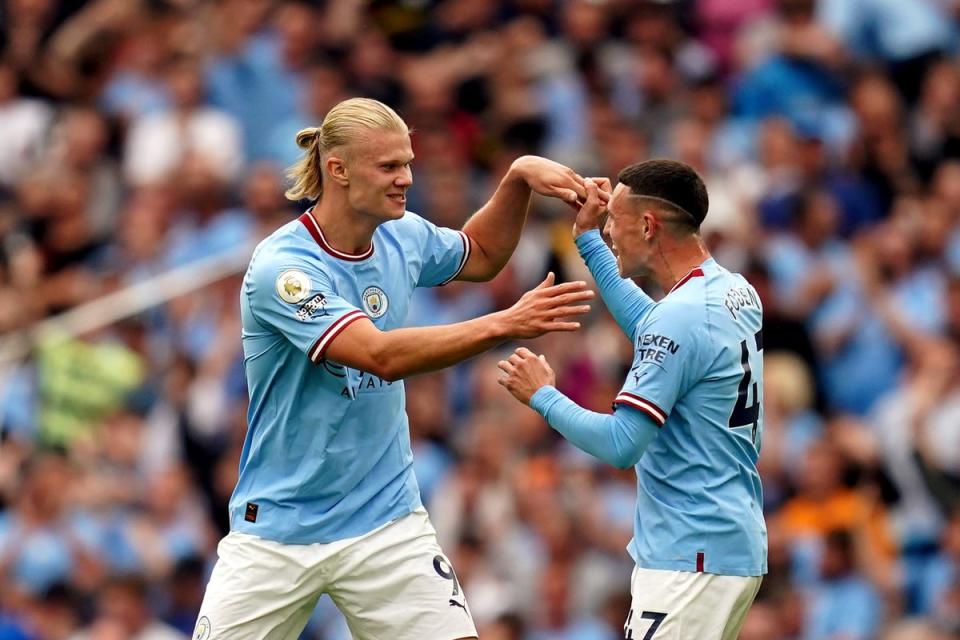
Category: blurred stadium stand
<point>142,148</point>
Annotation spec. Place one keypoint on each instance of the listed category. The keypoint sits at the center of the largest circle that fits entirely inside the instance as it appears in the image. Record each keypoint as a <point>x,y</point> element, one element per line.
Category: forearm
<point>405,352</point>
<point>619,439</point>
<point>626,301</point>
<point>495,229</point>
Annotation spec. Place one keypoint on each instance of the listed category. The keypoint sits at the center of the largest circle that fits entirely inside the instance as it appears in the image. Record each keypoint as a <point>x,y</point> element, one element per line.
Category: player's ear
<point>649,224</point>
<point>337,170</point>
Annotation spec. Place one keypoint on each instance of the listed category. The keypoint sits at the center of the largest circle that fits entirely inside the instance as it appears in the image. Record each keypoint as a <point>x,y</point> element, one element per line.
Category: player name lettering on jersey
<point>740,297</point>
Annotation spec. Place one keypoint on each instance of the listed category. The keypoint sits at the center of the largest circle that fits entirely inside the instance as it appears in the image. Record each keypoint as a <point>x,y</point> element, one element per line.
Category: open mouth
<point>400,198</point>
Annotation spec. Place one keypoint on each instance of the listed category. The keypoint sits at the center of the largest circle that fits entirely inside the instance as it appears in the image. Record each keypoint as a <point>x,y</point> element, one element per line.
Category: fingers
<point>603,183</point>
<point>570,311</point>
<point>558,298</point>
<point>562,326</point>
<point>565,288</point>
<point>592,190</point>
<point>506,367</point>
<point>547,282</point>
<point>579,187</point>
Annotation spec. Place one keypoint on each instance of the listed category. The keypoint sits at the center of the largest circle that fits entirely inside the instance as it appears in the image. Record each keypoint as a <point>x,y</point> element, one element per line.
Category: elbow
<point>390,374</point>
<point>627,459</point>
<point>386,369</point>
<point>381,361</point>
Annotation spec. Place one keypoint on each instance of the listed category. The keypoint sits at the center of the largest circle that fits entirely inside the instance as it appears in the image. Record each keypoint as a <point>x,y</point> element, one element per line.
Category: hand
<point>526,372</point>
<point>540,310</point>
<point>592,211</point>
<point>552,179</point>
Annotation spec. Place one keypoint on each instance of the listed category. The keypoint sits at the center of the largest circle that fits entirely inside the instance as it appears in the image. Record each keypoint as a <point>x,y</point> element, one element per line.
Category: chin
<point>392,213</point>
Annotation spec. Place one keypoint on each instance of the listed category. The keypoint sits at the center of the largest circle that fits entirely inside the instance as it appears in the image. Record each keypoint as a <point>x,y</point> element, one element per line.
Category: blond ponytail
<point>306,174</point>
<point>341,126</point>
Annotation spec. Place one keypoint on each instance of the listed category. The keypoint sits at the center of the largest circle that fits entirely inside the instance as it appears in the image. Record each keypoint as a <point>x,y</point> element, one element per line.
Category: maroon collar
<point>311,224</point>
<point>696,272</point>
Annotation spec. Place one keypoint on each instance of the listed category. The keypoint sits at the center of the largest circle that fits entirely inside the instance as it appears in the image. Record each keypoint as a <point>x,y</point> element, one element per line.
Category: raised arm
<point>626,301</point>
<point>495,229</point>
<point>399,353</point>
<point>618,439</point>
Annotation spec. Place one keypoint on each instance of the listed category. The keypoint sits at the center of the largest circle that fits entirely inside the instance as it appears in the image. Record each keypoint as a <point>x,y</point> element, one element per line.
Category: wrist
<point>501,325</point>
<point>585,237</point>
<point>580,229</point>
<point>518,171</point>
<point>540,399</point>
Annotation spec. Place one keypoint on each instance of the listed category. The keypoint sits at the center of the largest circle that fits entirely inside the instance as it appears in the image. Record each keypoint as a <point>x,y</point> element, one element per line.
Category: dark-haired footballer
<point>689,416</point>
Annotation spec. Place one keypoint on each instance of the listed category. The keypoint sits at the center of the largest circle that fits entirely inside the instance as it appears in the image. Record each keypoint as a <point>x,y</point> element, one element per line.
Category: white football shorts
<point>393,583</point>
<point>683,605</point>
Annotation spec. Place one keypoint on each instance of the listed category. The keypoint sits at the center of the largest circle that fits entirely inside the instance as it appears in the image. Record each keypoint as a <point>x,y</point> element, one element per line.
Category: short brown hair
<point>673,184</point>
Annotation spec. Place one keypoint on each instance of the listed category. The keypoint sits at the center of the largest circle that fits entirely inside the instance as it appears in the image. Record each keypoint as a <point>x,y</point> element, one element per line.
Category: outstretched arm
<point>619,439</point>
<point>495,229</point>
<point>626,301</point>
<point>399,353</point>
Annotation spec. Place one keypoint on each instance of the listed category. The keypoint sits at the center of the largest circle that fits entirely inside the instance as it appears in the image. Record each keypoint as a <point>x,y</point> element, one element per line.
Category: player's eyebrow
<point>396,160</point>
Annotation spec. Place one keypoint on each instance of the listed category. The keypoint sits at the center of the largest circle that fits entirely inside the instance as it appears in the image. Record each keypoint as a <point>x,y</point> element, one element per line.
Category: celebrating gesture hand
<point>591,213</point>
<point>526,372</point>
<point>552,179</point>
<point>546,308</point>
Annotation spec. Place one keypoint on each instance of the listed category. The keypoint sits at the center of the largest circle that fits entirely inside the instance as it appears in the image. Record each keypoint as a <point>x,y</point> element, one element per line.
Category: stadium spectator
<point>837,196</point>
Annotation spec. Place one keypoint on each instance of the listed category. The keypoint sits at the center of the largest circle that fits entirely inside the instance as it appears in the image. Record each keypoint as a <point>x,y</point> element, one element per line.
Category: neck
<point>345,229</point>
<point>676,260</point>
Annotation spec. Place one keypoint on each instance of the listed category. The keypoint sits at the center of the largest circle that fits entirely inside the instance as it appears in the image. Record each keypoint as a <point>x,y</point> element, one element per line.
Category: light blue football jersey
<point>698,373</point>
<point>327,451</point>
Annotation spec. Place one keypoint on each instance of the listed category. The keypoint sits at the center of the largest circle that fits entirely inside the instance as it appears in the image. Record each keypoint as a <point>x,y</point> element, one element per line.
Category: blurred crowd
<point>141,136</point>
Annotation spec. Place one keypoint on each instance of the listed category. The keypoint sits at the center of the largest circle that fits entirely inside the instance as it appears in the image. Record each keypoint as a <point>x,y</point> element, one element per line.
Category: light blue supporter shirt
<point>698,375</point>
<point>327,451</point>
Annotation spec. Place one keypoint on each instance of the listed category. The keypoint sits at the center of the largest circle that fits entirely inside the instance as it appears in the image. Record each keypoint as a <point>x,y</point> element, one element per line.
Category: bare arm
<point>399,353</point>
<point>495,229</point>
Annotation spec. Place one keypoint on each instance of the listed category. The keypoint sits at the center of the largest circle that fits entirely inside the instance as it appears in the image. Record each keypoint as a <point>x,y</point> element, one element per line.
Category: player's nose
<point>404,178</point>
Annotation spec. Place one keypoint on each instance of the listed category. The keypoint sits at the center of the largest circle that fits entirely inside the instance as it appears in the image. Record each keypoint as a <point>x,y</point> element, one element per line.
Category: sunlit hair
<point>341,126</point>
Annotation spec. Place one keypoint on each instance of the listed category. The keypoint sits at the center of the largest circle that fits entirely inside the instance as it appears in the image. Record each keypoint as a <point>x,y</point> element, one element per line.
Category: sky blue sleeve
<point>297,299</point>
<point>444,251</point>
<point>665,358</point>
<point>619,439</point>
<point>626,301</point>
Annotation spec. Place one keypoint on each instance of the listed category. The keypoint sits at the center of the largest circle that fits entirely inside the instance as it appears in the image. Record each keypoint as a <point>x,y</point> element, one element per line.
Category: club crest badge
<point>202,631</point>
<point>375,302</point>
<point>293,286</point>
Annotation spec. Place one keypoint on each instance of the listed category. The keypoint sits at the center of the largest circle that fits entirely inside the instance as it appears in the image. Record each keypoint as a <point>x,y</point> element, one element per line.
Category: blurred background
<point>142,148</point>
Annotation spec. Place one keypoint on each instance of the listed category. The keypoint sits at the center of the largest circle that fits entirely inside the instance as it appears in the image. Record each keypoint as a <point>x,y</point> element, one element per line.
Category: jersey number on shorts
<point>445,570</point>
<point>656,619</point>
<point>744,415</point>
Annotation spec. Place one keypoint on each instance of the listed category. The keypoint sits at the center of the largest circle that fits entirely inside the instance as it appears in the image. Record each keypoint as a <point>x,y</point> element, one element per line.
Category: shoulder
<point>287,248</point>
<point>681,316</point>
<point>685,305</point>
<point>289,243</point>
